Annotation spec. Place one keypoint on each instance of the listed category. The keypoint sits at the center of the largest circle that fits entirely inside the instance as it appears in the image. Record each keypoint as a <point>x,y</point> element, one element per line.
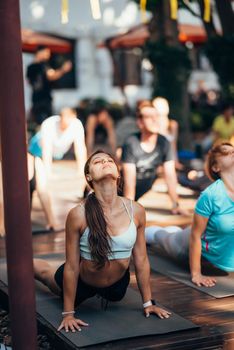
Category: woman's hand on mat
<point>205,281</point>
<point>153,309</point>
<point>70,323</point>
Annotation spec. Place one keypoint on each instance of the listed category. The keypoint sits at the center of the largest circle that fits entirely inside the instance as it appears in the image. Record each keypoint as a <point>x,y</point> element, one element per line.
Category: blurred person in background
<point>57,135</point>
<point>167,127</point>
<point>125,126</point>
<point>37,182</point>
<point>208,244</point>
<point>223,125</point>
<point>143,153</point>
<point>40,75</point>
<point>100,130</point>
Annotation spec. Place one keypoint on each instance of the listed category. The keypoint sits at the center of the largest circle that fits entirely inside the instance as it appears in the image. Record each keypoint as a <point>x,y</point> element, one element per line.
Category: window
<point>127,66</point>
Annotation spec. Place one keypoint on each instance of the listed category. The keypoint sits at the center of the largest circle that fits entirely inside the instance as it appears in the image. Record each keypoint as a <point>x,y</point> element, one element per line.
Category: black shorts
<point>143,186</point>
<point>84,291</point>
<point>208,269</point>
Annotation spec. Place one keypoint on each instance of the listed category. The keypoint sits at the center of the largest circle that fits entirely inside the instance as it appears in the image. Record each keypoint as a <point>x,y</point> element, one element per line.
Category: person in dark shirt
<point>143,153</point>
<point>100,129</point>
<point>40,75</point>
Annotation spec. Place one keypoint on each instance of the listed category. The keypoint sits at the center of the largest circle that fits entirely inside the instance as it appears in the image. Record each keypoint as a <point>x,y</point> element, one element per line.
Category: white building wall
<point>94,65</point>
<point>94,71</point>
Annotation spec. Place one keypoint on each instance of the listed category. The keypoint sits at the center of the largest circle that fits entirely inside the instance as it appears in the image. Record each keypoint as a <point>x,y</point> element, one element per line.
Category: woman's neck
<point>106,193</point>
<point>228,179</point>
<point>148,141</point>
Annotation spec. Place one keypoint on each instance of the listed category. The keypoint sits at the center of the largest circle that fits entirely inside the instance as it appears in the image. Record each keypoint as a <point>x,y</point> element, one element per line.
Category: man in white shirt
<point>58,133</point>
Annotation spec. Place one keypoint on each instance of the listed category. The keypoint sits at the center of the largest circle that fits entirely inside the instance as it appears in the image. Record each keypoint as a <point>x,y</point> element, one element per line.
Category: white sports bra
<point>121,245</point>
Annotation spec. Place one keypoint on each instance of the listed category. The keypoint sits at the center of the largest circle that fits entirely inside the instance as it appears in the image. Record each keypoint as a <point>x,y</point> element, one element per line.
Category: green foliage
<point>172,67</point>
<point>220,51</point>
<point>196,122</point>
<point>151,4</point>
<point>202,119</point>
<point>171,60</point>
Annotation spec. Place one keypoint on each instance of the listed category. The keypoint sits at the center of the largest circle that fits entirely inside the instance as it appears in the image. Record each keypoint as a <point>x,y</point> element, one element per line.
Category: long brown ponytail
<point>99,238</point>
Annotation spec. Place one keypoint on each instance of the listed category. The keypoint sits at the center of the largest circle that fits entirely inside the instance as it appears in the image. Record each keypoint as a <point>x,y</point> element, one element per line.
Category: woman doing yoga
<point>101,235</point>
<point>208,244</point>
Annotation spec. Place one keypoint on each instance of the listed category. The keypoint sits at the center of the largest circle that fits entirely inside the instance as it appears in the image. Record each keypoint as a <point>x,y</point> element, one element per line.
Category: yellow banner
<point>64,11</point>
<point>143,10</point>
<point>174,8</point>
<point>206,15</point>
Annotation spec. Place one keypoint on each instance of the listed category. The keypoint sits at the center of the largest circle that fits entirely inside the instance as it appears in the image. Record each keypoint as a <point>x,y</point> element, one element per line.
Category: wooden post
<point>15,181</point>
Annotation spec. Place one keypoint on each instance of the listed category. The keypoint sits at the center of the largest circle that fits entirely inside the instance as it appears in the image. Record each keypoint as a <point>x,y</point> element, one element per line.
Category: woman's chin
<point>110,175</point>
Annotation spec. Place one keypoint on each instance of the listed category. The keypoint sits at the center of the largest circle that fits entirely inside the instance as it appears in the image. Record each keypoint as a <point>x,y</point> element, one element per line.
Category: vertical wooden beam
<point>15,181</point>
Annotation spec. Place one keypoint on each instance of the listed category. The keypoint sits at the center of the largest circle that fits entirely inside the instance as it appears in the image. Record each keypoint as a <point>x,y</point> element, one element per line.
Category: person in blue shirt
<point>209,242</point>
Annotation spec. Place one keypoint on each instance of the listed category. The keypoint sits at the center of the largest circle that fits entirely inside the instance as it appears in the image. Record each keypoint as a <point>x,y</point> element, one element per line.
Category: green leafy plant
<point>220,51</point>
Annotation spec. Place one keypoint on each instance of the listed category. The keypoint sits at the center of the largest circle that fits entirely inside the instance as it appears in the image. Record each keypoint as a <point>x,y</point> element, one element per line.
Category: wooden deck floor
<point>215,316</point>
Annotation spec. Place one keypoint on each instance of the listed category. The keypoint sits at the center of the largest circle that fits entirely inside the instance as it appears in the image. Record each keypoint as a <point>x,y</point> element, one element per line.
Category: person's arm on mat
<point>198,227</point>
<point>43,194</point>
<point>71,270</point>
<point>129,175</point>
<point>81,157</point>
<point>47,155</point>
<point>142,267</point>
<point>110,128</point>
<point>90,132</point>
<point>171,181</point>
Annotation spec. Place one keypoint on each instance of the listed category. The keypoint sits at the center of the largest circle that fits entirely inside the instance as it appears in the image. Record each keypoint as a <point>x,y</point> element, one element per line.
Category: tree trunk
<point>226,16</point>
<point>209,26</point>
<point>164,30</point>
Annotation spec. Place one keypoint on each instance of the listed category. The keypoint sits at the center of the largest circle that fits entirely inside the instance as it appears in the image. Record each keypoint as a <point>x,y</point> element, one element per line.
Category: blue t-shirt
<point>218,238</point>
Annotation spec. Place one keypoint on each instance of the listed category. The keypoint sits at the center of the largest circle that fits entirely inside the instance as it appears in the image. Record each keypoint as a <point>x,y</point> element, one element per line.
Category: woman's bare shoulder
<point>138,209</point>
<point>139,214</point>
<point>91,120</point>
<point>76,216</point>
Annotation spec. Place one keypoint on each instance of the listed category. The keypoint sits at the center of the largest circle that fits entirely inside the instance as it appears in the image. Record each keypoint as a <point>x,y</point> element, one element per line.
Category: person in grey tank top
<point>102,233</point>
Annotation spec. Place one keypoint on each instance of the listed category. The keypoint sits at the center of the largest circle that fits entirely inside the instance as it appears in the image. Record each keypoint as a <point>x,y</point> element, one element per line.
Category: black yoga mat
<point>224,286</point>
<point>121,320</point>
<point>38,229</point>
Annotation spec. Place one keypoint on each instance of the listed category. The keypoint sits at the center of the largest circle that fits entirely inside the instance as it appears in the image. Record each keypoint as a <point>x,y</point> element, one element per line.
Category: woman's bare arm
<point>71,269</point>
<point>129,175</point>
<point>80,151</point>
<point>109,125</point>
<point>142,266</point>
<point>43,192</point>
<point>90,132</point>
<point>74,223</point>
<point>141,262</point>
<point>198,228</point>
